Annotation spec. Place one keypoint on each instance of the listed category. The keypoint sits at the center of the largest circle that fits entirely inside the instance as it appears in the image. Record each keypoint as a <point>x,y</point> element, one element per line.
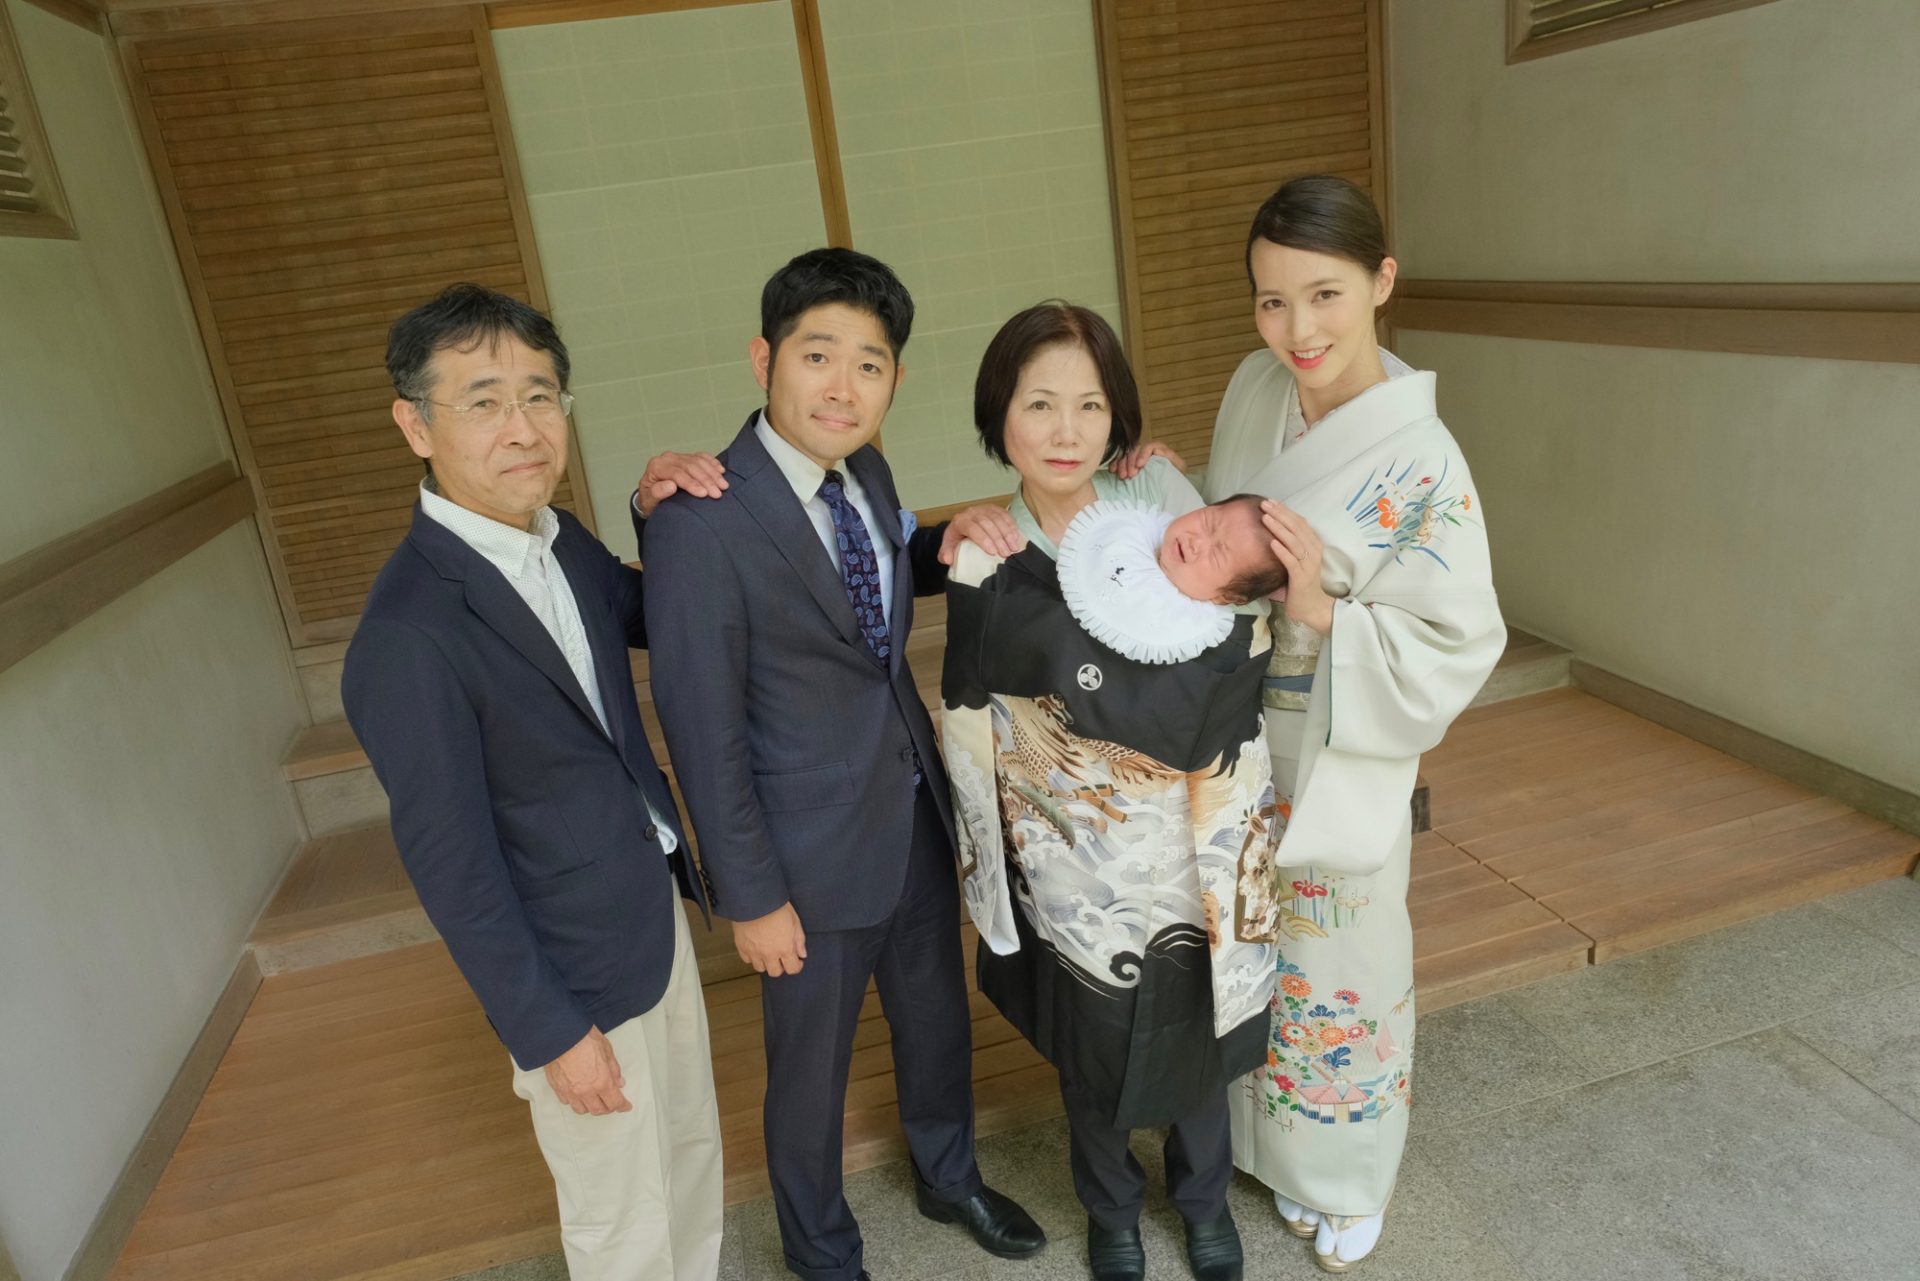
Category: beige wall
<point>106,396</point>
<point>1772,143</point>
<point>1732,530</point>
<point>142,817</point>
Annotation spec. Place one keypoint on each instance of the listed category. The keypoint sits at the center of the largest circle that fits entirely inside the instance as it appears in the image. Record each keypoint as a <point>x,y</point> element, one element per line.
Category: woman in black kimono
<point>1116,814</point>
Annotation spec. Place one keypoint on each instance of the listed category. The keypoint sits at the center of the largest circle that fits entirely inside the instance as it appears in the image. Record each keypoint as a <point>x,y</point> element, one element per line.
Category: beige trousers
<point>640,1192</point>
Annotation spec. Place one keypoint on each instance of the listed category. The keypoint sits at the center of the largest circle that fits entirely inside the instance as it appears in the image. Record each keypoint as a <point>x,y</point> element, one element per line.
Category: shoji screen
<point>670,170</point>
<point>970,137</point>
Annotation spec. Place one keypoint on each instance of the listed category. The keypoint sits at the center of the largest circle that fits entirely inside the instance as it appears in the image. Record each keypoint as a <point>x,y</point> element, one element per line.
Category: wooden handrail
<point>1877,322</point>
<point>54,586</point>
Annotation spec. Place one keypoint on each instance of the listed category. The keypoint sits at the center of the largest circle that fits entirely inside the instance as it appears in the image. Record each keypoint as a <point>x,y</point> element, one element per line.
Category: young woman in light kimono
<point>1390,626</point>
<point>1111,809</point>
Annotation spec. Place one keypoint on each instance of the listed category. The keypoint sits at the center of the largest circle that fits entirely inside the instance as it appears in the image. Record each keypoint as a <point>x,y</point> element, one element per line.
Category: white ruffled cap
<point>1109,567</point>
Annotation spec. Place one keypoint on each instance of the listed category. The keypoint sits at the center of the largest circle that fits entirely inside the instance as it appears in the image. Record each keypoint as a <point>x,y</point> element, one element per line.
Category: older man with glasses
<point>489,683</point>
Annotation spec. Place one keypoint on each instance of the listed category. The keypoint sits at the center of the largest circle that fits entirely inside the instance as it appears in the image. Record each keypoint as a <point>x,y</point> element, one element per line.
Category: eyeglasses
<point>491,411</point>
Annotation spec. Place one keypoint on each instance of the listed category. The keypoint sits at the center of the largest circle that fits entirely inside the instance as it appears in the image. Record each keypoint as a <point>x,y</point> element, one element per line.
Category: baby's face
<point>1208,548</point>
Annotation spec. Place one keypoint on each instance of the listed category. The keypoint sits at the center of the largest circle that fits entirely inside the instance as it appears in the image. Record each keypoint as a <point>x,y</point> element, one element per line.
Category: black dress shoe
<point>1116,1254</point>
<point>996,1224</point>
<point>1214,1249</point>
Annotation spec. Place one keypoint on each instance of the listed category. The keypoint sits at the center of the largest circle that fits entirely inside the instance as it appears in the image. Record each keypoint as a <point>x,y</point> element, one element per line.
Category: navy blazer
<point>794,747</point>
<point>522,823</point>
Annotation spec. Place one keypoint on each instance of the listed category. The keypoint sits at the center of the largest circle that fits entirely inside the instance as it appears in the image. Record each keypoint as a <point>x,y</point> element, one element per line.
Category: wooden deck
<point>361,1124</point>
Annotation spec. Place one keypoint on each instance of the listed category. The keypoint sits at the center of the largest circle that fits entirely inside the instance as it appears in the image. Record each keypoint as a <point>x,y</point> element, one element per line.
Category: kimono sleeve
<point>1412,646</point>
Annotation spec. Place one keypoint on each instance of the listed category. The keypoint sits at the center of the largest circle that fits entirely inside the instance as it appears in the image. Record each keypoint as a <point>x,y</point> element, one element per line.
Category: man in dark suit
<point>489,683</point>
<point>779,613</point>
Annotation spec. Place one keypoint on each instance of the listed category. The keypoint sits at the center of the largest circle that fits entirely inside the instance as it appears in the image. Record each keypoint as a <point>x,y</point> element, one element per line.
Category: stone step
<point>343,896</point>
<point>318,667</point>
<point>1528,666</point>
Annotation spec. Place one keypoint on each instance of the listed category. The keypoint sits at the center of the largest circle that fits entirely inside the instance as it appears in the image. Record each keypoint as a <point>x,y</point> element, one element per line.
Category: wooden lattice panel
<point>1211,104</point>
<point>320,182</point>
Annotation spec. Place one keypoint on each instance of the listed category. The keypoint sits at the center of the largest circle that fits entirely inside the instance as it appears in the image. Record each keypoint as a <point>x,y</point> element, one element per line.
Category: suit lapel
<point>494,601</point>
<point>764,492</point>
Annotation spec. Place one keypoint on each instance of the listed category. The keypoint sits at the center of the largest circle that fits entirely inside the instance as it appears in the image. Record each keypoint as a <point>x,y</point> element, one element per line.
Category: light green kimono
<point>1416,631</point>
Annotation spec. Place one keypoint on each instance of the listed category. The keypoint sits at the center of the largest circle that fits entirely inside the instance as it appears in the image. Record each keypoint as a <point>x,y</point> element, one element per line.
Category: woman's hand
<point>1135,460</point>
<point>1299,549</point>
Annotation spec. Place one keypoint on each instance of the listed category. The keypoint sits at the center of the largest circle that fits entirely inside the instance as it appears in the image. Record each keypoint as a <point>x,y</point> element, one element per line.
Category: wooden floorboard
<point>362,1126</point>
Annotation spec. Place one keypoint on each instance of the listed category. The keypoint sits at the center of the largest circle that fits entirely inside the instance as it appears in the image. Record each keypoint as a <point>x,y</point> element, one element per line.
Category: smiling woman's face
<point>1058,422</point>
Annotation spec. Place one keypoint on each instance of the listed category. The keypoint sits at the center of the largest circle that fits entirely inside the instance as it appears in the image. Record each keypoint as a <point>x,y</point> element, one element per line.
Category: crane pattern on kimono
<point>1409,509</point>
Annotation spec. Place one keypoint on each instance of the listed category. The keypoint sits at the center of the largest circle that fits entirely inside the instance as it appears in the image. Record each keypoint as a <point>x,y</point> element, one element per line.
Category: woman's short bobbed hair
<point>1053,324</point>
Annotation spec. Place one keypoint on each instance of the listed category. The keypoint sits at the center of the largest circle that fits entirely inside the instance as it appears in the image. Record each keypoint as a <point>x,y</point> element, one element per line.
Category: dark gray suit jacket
<point>794,747</point>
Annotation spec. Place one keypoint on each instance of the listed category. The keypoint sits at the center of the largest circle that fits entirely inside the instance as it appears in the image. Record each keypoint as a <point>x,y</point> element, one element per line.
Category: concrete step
<point>318,667</point>
<point>1528,666</point>
<point>343,896</point>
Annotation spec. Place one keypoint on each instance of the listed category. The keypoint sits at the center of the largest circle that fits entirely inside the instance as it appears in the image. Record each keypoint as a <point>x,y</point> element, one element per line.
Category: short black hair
<point>462,317</point>
<point>1323,214</point>
<point>1054,323</point>
<point>1255,584</point>
<point>821,277</point>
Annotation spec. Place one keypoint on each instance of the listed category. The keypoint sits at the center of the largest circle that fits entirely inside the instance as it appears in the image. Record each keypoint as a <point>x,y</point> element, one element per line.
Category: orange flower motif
<point>1466,501</point>
<point>1295,1033</point>
<point>1331,1036</point>
<point>1294,985</point>
<point>1273,1059</point>
<point>1356,1033</point>
<point>1387,518</point>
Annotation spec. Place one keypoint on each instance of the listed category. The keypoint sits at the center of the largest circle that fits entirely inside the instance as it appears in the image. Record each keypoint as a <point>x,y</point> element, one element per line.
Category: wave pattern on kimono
<point>1117,828</point>
<point>1416,631</point>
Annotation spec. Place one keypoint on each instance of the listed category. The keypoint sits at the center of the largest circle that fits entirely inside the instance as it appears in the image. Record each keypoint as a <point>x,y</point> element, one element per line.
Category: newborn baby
<point>1222,553</point>
<point>1162,589</point>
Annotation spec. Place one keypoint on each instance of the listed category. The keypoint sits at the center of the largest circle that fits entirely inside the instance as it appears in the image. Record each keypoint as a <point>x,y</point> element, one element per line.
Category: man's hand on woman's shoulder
<point>1135,460</point>
<point>986,525</point>
<point>701,475</point>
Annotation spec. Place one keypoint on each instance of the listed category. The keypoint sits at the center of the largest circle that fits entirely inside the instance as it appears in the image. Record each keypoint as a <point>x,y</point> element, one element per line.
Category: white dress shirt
<point>531,568</point>
<point>805,476</point>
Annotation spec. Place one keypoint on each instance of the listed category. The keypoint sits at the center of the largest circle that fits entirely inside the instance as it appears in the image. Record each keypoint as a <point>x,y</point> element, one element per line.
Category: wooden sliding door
<point>1211,104</point>
<point>320,179</point>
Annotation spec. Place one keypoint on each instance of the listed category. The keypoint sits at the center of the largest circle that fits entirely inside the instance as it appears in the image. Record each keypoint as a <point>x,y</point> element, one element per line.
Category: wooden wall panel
<point>1211,104</point>
<point>320,180</point>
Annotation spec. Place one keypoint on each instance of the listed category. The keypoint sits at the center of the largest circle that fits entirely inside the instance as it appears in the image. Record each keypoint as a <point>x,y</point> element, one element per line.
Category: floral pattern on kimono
<point>1328,1060</point>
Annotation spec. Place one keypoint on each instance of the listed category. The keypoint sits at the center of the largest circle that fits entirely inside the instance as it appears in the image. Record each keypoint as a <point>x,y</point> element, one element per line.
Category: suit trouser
<point>915,958</point>
<point>641,1195</point>
<point>1110,1183</point>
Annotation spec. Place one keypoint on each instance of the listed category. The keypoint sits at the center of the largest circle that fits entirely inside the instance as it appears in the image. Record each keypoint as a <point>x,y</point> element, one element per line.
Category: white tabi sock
<point>1294,1212</point>
<point>1351,1243</point>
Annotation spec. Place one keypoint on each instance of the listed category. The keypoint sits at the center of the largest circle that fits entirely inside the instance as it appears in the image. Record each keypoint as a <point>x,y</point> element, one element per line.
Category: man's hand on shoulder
<point>988,527</point>
<point>587,1078</point>
<point>1135,460</point>
<point>773,944</point>
<point>701,475</point>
